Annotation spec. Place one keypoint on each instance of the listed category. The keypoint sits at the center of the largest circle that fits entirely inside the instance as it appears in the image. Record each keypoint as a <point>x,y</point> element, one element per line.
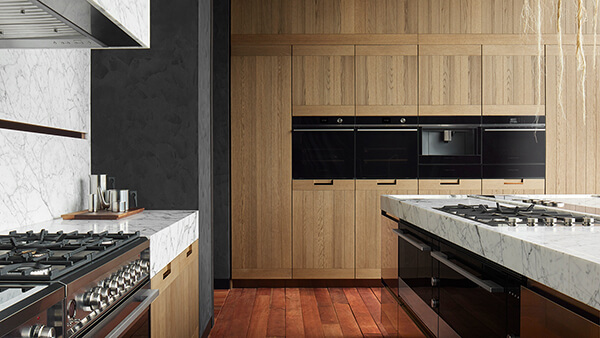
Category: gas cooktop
<point>532,215</point>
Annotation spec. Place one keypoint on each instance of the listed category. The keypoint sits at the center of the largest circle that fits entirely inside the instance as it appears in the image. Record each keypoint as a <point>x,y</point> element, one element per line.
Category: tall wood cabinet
<point>324,237</point>
<point>449,186</point>
<point>261,162</point>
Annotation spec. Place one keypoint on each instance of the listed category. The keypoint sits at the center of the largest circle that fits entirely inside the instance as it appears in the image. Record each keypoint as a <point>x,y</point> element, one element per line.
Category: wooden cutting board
<point>100,215</point>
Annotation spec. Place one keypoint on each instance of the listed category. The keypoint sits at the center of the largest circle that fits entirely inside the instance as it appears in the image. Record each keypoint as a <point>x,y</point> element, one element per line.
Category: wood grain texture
<point>323,234</point>
<point>335,110</point>
<point>508,186</point>
<point>510,81</point>
<point>261,197</point>
<point>449,186</point>
<point>368,222</point>
<point>323,79</point>
<point>385,16</point>
<point>448,80</point>
<point>386,76</point>
<point>450,17</point>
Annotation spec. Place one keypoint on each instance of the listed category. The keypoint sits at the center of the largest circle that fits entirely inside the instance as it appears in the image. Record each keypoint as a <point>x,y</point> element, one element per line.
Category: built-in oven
<point>323,147</point>
<point>514,146</point>
<point>386,147</point>
<point>450,147</point>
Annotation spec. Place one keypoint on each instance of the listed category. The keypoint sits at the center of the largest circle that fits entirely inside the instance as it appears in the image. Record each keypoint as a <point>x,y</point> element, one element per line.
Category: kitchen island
<point>561,258</point>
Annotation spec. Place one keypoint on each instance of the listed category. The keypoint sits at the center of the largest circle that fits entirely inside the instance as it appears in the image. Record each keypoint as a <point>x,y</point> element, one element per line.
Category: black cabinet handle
<point>487,285</point>
<point>412,241</point>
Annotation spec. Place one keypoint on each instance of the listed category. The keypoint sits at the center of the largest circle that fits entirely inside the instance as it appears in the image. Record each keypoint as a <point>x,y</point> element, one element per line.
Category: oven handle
<point>322,129</point>
<point>412,241</point>
<point>402,130</point>
<point>147,296</point>
<point>487,285</point>
<point>509,129</point>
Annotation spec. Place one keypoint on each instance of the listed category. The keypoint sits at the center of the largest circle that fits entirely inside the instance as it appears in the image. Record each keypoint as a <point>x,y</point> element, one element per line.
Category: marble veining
<point>132,16</point>
<point>564,258</point>
<point>41,177</point>
<point>49,87</point>
<point>170,231</point>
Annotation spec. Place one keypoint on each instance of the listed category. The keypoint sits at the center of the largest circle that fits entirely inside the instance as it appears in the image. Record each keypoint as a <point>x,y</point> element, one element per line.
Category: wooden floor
<point>308,312</point>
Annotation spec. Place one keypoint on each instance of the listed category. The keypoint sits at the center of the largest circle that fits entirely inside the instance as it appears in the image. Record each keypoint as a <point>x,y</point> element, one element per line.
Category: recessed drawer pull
<point>168,272</point>
<point>412,241</point>
<point>386,182</point>
<point>517,182</point>
<point>487,285</point>
<point>323,182</point>
<point>190,250</point>
<point>457,182</point>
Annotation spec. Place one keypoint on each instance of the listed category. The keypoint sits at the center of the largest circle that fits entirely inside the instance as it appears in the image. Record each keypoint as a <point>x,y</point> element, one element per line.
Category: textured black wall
<point>221,163</point>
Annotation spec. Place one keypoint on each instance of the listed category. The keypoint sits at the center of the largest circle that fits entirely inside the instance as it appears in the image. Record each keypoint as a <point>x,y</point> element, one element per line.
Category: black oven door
<point>386,153</point>
<point>514,152</point>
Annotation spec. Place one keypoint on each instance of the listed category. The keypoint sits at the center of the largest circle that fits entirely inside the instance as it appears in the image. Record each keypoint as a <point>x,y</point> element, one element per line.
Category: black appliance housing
<point>514,146</point>
<point>386,147</point>
<point>323,147</point>
<point>450,147</point>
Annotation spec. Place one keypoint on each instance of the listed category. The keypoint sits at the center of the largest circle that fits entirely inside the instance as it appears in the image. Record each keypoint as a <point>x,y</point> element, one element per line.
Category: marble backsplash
<point>43,176</point>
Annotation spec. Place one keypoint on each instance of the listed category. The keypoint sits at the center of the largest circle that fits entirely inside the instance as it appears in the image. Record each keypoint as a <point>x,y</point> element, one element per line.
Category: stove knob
<point>41,331</point>
<point>588,221</point>
<point>92,299</point>
<point>104,292</point>
<point>126,277</point>
<point>120,284</point>
<point>47,332</point>
<point>113,286</point>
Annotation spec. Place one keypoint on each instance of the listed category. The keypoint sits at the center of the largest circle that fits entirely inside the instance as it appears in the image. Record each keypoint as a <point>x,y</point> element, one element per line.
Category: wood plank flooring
<point>309,312</point>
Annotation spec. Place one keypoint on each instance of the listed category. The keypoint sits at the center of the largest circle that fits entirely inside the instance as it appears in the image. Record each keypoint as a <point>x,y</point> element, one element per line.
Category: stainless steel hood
<point>58,24</point>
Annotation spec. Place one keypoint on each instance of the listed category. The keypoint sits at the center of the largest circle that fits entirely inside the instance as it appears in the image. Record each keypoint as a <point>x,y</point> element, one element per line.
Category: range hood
<point>59,24</point>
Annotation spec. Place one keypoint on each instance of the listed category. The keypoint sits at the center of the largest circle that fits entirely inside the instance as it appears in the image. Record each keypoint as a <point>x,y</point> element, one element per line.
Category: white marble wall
<point>133,16</point>
<point>43,176</point>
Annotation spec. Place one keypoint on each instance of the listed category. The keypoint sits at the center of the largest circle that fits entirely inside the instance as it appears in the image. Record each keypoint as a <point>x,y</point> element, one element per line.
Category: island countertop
<point>566,259</point>
<point>170,232</point>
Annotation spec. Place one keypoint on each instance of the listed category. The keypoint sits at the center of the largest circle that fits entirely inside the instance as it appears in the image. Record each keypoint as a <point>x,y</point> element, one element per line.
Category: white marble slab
<point>170,231</point>
<point>133,16</point>
<point>49,87</point>
<point>564,258</point>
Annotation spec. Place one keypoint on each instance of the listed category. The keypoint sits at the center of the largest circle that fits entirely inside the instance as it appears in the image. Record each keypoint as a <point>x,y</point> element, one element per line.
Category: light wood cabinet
<point>512,83</point>
<point>449,187</point>
<point>450,80</point>
<point>323,236</point>
<point>368,221</point>
<point>261,162</point>
<point>175,312</point>
<point>510,186</point>
<point>323,80</point>
<point>386,80</point>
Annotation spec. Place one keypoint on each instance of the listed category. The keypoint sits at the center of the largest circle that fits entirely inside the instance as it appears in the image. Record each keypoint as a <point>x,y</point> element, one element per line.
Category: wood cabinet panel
<point>368,221</point>
<point>261,165</point>
<point>508,186</point>
<point>450,80</point>
<point>389,251</point>
<point>450,17</point>
<point>385,16</point>
<point>323,76</point>
<point>510,81</point>
<point>386,80</point>
<point>449,186</point>
<point>323,244</point>
<point>572,141</point>
<point>174,313</point>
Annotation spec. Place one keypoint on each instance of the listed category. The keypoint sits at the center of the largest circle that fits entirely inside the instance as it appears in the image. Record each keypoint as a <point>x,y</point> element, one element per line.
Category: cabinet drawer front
<point>326,184</point>
<point>388,184</point>
<point>508,186</point>
<point>454,186</point>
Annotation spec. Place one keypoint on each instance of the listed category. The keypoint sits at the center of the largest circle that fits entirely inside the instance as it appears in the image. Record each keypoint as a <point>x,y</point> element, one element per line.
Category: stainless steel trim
<point>412,241</point>
<point>514,129</point>
<point>323,129</point>
<point>365,129</point>
<point>448,126</point>
<point>146,296</point>
<point>487,285</point>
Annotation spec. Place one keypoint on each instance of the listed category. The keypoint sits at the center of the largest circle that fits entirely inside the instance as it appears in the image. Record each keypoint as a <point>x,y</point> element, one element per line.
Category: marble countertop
<point>566,259</point>
<point>170,231</point>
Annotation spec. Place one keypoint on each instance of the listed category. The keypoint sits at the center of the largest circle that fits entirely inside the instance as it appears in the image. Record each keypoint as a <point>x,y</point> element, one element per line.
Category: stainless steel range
<point>532,215</point>
<point>72,284</point>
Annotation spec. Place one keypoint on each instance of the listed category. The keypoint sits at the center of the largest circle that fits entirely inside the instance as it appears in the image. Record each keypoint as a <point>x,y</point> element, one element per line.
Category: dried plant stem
<point>527,17</point>
<point>561,53</point>
<point>540,45</point>
<point>581,65</point>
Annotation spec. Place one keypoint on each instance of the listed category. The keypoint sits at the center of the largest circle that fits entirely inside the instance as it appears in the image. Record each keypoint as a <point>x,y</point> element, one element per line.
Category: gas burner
<point>26,269</point>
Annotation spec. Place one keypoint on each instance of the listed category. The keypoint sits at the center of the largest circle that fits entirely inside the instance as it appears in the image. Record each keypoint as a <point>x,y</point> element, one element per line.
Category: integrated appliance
<point>514,146</point>
<point>323,147</point>
<point>73,284</point>
<point>450,147</point>
<point>519,216</point>
<point>386,147</point>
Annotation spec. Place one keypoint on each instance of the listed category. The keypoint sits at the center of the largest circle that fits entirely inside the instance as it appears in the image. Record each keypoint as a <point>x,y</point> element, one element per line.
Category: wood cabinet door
<point>450,80</point>
<point>368,221</point>
<point>509,187</point>
<point>261,162</point>
<point>449,187</point>
<point>323,80</point>
<point>513,82</point>
<point>323,229</point>
<point>386,80</point>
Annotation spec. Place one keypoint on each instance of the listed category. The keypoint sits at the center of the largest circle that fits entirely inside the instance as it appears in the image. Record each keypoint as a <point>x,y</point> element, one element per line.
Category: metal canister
<point>92,203</point>
<point>114,200</point>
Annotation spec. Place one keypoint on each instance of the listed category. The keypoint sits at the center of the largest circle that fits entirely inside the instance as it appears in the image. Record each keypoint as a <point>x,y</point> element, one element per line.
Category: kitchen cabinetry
<point>449,187</point>
<point>323,235</point>
<point>174,313</point>
<point>369,221</point>
<point>261,162</point>
<point>386,80</point>
<point>450,80</point>
<point>389,252</point>
<point>510,81</point>
<point>513,186</point>
<point>323,81</point>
